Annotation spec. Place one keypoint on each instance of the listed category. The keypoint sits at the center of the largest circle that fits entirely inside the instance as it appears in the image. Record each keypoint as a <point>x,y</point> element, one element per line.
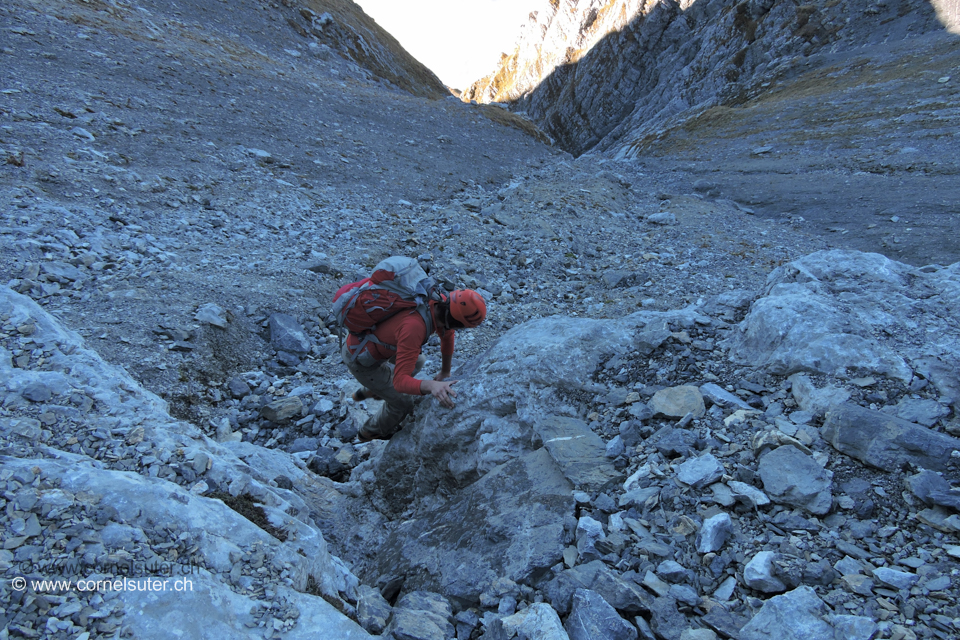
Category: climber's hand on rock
<point>441,390</point>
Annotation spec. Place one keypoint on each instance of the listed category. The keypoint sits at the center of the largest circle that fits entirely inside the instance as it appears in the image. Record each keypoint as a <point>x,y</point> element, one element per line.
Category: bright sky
<point>459,40</point>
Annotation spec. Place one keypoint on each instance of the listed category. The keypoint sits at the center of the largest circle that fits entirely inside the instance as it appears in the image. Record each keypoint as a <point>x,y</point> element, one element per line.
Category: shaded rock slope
<point>839,113</point>
<point>681,420</point>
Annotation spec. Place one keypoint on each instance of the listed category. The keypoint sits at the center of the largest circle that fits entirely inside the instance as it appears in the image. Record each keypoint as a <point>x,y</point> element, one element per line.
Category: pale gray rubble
<point>101,481</point>
<point>748,503</point>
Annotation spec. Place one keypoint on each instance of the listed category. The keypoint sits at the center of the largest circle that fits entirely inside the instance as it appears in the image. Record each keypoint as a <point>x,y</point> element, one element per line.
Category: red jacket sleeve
<point>446,343</point>
<point>410,336</point>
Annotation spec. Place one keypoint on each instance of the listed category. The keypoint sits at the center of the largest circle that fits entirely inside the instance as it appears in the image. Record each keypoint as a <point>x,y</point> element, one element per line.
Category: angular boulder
<point>592,617</point>
<point>796,615</point>
<point>792,477</point>
<point>508,525</point>
<point>823,312</point>
<point>884,441</point>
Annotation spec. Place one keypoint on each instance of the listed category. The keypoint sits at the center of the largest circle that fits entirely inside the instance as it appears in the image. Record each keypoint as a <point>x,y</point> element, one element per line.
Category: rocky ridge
<point>650,380</point>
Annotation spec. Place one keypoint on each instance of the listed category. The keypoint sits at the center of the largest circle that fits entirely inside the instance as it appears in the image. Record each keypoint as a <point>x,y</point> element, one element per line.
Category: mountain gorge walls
<point>599,74</point>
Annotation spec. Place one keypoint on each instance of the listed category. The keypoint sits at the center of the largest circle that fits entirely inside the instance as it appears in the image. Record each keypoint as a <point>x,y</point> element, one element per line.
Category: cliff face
<point>594,73</point>
<point>343,25</point>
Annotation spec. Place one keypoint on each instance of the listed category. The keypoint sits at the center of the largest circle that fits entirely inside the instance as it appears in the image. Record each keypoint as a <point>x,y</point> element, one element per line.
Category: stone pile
<point>606,468</point>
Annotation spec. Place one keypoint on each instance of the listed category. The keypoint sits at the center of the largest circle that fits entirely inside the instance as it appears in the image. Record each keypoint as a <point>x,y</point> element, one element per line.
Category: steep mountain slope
<point>839,116</point>
<point>594,71</point>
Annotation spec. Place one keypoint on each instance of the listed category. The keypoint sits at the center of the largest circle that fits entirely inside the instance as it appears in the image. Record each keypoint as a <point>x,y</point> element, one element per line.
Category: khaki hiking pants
<point>378,380</point>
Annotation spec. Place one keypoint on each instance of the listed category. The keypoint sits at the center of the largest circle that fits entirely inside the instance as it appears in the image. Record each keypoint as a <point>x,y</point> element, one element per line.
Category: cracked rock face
<point>607,72</point>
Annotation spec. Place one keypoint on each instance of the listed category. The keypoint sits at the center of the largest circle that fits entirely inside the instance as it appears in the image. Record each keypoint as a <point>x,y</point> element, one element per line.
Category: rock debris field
<point>681,420</point>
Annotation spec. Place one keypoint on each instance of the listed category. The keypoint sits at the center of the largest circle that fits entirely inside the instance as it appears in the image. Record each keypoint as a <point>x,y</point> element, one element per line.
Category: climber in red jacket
<point>386,366</point>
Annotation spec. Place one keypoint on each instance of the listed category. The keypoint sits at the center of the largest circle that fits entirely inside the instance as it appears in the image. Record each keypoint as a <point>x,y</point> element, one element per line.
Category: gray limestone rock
<point>854,627</point>
<point>652,335</point>
<point>748,493</point>
<point>701,471</point>
<point>37,392</point>
<point>238,387</point>
<point>677,402</point>
<point>578,451</point>
<point>286,334</point>
<point>592,617</point>
<point>211,313</point>
<point>714,533</point>
<point>816,401</point>
<point>589,533</point>
<point>921,411</point>
<point>283,409</point>
<point>666,620</point>
<point>508,524</point>
<point>513,387</point>
<point>792,477</point>
<point>674,572</point>
<point>796,615</point>
<point>421,615</point>
<point>925,484</point>
<point>797,325</point>
<point>619,278</point>
<point>623,595</point>
<point>662,218</point>
<point>884,441</point>
<point>720,396</point>
<point>759,573</point>
<point>373,611</point>
<point>537,622</point>
<point>210,609</point>
<point>894,578</point>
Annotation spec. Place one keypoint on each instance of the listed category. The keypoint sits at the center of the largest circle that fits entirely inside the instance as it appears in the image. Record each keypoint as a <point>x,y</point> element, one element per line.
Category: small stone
<point>238,388</point>
<point>283,409</point>
<point>662,218</point>
<point>714,533</point>
<point>211,313</point>
<point>677,402</point>
<point>700,472</point>
<point>37,392</point>
<point>894,578</point>
<point>759,573</point>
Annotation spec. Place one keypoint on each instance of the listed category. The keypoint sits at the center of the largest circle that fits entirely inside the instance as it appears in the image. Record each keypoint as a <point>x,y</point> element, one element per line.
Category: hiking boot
<point>366,436</point>
<point>362,394</point>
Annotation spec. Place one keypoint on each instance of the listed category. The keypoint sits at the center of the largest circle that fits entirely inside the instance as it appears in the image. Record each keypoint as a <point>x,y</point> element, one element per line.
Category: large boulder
<point>510,403</point>
<point>592,617</point>
<point>509,524</point>
<point>884,441</point>
<point>851,313</point>
<point>143,475</point>
<point>796,615</point>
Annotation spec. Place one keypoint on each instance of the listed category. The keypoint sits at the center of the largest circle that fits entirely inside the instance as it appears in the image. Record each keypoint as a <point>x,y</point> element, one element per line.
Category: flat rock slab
<point>508,524</point>
<point>210,609</point>
<point>884,441</point>
<point>579,452</point>
<point>792,477</point>
<point>623,595</point>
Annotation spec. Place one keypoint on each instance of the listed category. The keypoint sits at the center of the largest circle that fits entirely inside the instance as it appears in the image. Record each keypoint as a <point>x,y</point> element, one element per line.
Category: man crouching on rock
<point>386,364</point>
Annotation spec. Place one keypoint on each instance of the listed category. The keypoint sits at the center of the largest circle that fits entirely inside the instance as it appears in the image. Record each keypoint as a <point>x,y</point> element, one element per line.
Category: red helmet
<point>467,307</point>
